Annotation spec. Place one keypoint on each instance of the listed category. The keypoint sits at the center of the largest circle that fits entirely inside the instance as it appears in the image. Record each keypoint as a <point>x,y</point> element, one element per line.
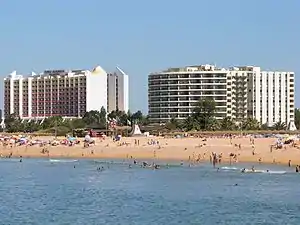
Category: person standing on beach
<point>290,164</point>
<point>215,160</point>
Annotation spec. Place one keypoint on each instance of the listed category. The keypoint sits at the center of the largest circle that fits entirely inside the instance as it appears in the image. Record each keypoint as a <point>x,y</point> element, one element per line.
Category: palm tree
<point>279,126</point>
<point>250,124</point>
<point>264,126</point>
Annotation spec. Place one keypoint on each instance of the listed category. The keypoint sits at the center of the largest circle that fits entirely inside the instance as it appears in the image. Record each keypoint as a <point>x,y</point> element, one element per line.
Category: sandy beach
<point>156,148</point>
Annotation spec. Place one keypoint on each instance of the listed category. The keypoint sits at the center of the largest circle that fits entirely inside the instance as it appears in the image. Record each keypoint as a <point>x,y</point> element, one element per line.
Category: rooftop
<point>210,68</point>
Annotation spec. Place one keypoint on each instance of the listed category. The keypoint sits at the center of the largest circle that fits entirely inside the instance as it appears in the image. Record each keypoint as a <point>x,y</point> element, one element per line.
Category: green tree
<point>137,117</point>
<point>279,126</point>
<point>227,124</point>
<point>13,123</point>
<point>102,117</point>
<point>250,124</point>
<point>146,120</point>
<point>265,126</point>
<point>213,124</point>
<point>31,126</point>
<point>52,121</point>
<point>189,124</point>
<point>76,123</point>
<point>203,113</point>
<point>121,117</point>
<point>95,117</point>
<point>173,124</point>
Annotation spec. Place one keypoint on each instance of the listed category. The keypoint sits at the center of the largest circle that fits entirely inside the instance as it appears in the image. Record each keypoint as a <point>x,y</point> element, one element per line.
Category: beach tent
<point>136,131</point>
<point>291,126</point>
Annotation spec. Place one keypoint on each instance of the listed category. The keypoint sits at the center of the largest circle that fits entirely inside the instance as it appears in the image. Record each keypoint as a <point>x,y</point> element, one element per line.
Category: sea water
<point>41,191</point>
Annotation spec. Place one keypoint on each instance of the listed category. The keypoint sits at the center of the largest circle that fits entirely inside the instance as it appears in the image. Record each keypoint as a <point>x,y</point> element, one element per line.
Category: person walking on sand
<point>290,163</point>
<point>215,160</point>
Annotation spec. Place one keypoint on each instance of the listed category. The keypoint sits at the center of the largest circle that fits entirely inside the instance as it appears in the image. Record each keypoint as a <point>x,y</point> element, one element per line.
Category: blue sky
<point>145,36</point>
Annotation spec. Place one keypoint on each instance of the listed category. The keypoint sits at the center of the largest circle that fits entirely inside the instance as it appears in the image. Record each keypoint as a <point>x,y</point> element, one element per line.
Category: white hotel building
<point>67,93</point>
<point>239,92</point>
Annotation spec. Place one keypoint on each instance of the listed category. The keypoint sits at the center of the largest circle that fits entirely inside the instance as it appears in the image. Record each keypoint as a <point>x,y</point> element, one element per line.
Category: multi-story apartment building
<point>118,91</point>
<point>57,92</point>
<point>175,92</point>
<point>239,92</point>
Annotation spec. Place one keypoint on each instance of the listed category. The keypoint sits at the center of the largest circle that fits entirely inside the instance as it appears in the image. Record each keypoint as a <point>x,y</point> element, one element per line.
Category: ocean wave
<point>275,172</point>
<point>229,168</point>
<point>62,160</point>
<point>265,171</point>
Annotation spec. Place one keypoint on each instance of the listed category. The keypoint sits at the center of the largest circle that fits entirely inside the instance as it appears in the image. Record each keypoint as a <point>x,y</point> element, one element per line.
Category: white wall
<point>21,97</point>
<point>96,89</point>
<point>123,92</point>
<point>112,92</point>
<point>274,106</point>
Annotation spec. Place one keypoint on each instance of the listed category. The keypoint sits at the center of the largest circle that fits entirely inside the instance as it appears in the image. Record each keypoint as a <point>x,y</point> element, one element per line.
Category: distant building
<point>239,92</point>
<point>67,93</point>
<point>118,86</point>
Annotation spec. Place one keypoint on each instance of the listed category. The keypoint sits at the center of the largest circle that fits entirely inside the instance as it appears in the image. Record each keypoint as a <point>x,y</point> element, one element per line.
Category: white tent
<point>291,126</point>
<point>136,131</point>
<point>2,124</point>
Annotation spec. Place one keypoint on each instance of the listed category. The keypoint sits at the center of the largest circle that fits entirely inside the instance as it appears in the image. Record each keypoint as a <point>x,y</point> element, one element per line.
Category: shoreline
<point>225,162</point>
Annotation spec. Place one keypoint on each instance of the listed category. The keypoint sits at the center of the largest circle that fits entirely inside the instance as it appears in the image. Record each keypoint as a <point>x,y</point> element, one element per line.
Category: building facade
<point>118,86</point>
<point>56,93</point>
<point>239,92</point>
